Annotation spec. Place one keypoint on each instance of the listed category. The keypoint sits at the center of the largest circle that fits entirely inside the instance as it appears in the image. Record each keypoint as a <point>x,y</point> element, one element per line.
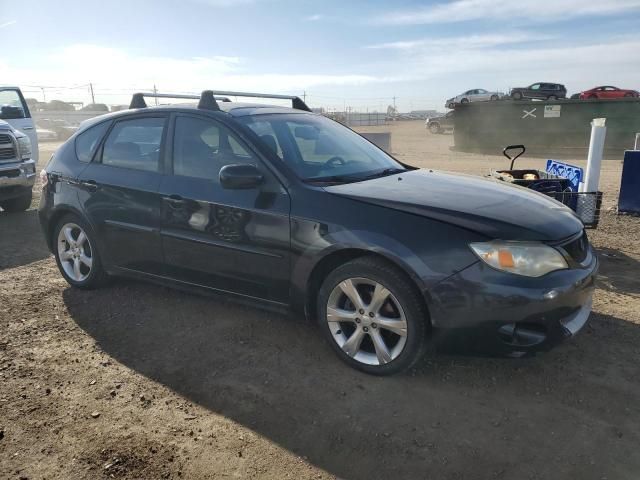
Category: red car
<point>607,92</point>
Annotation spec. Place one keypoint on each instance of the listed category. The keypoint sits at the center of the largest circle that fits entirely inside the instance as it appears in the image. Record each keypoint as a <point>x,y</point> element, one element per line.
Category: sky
<point>337,53</point>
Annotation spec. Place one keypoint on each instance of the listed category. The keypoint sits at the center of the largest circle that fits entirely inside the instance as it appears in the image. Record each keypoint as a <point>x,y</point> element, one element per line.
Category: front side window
<point>87,141</point>
<point>11,105</point>
<point>535,86</point>
<point>202,147</point>
<point>134,144</point>
<point>319,149</point>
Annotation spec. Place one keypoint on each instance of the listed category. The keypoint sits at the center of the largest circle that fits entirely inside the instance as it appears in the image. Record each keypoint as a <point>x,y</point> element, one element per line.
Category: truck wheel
<point>552,98</point>
<point>517,96</point>
<point>19,204</point>
<point>434,128</point>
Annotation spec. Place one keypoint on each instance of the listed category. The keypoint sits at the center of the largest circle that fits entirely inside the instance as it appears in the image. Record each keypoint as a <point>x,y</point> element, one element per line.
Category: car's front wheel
<point>517,96</point>
<point>76,253</point>
<point>373,316</point>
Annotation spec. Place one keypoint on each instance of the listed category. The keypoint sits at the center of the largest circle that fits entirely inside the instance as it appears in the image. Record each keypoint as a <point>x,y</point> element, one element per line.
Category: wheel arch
<point>55,217</point>
<point>331,261</point>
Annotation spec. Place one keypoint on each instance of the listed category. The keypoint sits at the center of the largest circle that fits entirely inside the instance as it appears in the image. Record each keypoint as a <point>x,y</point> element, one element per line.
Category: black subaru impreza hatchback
<point>289,208</point>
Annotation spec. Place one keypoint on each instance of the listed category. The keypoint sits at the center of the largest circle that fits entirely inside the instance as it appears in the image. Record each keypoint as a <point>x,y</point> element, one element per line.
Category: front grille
<point>7,153</point>
<point>578,248</point>
<point>4,138</point>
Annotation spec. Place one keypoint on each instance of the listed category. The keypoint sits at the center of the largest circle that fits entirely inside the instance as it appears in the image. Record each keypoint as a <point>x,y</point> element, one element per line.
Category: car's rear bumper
<point>16,178</point>
<point>505,313</point>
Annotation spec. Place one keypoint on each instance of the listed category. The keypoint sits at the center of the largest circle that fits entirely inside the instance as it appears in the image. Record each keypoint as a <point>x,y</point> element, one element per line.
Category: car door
<point>119,193</point>
<point>233,240</point>
<point>534,91</point>
<point>481,95</point>
<point>15,111</point>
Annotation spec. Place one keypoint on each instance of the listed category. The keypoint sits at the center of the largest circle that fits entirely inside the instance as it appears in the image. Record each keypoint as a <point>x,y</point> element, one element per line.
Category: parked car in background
<point>608,91</point>
<point>440,124</point>
<point>287,207</point>
<point>540,91</point>
<point>62,128</point>
<point>476,95</point>
<point>17,169</point>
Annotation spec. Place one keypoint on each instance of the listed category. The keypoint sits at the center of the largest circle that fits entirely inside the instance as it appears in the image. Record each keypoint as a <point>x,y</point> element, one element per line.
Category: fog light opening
<point>522,334</point>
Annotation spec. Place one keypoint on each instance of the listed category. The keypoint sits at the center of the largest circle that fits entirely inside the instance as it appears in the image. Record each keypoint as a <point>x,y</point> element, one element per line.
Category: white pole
<point>594,159</point>
<point>585,207</point>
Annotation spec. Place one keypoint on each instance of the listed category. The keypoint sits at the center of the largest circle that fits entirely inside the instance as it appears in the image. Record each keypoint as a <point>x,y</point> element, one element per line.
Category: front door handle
<point>175,200</point>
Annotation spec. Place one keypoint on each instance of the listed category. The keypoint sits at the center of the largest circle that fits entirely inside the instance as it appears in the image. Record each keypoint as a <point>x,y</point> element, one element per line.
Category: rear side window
<point>87,141</point>
<point>134,144</point>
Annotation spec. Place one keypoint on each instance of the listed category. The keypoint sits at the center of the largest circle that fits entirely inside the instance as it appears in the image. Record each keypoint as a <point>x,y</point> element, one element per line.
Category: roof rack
<point>207,100</point>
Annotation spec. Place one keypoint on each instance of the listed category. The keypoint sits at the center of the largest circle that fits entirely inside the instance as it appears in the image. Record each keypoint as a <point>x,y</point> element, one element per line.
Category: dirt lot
<point>140,381</point>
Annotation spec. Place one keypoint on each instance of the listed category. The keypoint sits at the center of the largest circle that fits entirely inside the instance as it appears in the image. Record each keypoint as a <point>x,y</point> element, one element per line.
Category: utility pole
<point>304,96</point>
<point>395,112</point>
<point>44,96</point>
<point>155,90</point>
<point>93,98</point>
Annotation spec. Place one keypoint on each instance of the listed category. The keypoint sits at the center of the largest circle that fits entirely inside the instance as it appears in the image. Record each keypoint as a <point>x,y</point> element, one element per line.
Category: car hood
<point>493,208</point>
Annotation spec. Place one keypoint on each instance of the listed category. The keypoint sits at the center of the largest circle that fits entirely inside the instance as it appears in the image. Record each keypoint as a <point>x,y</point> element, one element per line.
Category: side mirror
<point>240,176</point>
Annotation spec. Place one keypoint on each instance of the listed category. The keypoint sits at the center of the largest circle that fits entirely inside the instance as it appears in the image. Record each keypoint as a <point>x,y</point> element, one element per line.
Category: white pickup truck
<point>18,151</point>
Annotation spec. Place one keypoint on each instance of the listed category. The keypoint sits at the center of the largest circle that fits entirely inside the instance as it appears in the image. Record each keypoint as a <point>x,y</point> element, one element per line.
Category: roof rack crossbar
<point>207,100</point>
<point>297,102</point>
<point>137,101</point>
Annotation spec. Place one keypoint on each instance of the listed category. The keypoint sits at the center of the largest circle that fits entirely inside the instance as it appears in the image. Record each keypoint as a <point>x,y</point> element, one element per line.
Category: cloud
<point>6,24</point>
<point>463,42</point>
<point>313,18</point>
<point>465,10</point>
<point>116,73</point>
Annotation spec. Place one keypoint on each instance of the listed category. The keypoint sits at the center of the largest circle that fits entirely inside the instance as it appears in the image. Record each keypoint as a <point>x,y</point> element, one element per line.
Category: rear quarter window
<point>87,141</point>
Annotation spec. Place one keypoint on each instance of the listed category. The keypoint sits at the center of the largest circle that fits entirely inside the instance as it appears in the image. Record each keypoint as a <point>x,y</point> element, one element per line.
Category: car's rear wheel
<point>592,96</point>
<point>629,94</point>
<point>19,204</point>
<point>76,253</point>
<point>494,97</point>
<point>373,316</point>
<point>434,128</point>
<point>552,98</point>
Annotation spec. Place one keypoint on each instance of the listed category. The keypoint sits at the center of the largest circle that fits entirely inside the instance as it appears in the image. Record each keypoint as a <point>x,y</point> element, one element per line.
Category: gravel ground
<point>140,381</point>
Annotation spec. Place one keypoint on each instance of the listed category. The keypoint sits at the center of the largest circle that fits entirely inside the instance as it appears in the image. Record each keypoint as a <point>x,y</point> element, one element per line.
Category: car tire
<point>552,98</point>
<point>494,98</point>
<point>516,96</point>
<point>77,256</point>
<point>19,204</point>
<point>629,95</point>
<point>592,97</point>
<point>359,338</point>
<point>464,100</point>
<point>434,128</point>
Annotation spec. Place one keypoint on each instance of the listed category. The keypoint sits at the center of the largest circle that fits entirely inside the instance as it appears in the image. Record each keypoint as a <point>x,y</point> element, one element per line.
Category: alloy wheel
<point>367,321</point>
<point>75,252</point>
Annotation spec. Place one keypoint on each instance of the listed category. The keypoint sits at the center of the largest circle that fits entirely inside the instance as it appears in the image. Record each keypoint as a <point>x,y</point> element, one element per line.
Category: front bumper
<point>16,178</point>
<point>510,314</point>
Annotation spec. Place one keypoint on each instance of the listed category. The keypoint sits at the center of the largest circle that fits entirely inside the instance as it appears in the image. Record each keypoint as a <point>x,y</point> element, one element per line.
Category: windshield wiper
<point>384,173</point>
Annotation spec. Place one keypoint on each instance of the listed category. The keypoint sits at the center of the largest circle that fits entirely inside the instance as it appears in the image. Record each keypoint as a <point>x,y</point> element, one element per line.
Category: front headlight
<point>24,147</point>
<point>531,259</point>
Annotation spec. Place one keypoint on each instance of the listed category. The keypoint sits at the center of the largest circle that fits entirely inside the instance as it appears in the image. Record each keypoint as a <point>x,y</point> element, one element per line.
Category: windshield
<point>319,149</point>
<point>11,105</point>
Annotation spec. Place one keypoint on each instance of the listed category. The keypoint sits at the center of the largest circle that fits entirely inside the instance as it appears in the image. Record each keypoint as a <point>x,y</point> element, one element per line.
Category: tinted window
<point>535,86</point>
<point>134,144</point>
<point>11,105</point>
<point>88,140</point>
<point>202,147</point>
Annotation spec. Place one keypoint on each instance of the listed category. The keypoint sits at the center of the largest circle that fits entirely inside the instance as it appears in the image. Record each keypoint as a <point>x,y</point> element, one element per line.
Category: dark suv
<point>542,91</point>
<point>291,209</point>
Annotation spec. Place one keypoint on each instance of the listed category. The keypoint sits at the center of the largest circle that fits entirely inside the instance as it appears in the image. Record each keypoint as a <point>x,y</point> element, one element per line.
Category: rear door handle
<point>90,185</point>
